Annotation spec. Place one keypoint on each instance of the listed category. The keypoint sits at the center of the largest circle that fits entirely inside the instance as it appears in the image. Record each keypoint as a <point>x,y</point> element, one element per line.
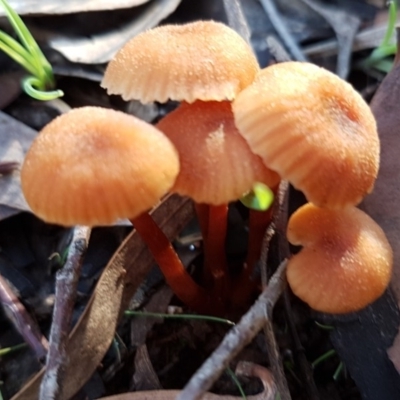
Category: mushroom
<point>346,261</point>
<point>312,128</point>
<point>217,167</point>
<point>92,166</point>
<point>203,60</point>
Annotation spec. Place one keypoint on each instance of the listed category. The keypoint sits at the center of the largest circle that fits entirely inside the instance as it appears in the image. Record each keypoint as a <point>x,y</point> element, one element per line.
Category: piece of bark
<point>362,339</point>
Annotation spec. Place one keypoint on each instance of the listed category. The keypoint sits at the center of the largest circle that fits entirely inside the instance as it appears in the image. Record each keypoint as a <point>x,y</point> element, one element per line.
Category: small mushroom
<point>312,128</point>
<point>203,60</point>
<point>217,167</point>
<point>92,166</point>
<point>346,260</point>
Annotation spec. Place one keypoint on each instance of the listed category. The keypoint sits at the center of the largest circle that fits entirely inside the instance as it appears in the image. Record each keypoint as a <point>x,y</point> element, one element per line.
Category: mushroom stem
<point>245,284</point>
<point>202,211</point>
<point>258,224</point>
<point>214,250</point>
<point>181,283</point>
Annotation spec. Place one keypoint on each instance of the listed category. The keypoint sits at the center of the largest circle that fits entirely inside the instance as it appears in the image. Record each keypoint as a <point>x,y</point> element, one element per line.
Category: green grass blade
<point>17,57</point>
<point>19,52</point>
<point>35,88</point>
<point>391,23</point>
<point>9,350</point>
<point>27,40</point>
<point>179,316</point>
<point>236,382</point>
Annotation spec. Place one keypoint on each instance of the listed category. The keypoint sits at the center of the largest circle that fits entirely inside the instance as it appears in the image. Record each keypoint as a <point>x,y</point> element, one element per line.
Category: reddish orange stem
<point>202,211</point>
<point>258,223</point>
<point>181,283</point>
<point>214,250</point>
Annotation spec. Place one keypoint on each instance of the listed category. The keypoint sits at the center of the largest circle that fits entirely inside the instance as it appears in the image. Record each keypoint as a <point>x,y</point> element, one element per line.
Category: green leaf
<point>260,198</point>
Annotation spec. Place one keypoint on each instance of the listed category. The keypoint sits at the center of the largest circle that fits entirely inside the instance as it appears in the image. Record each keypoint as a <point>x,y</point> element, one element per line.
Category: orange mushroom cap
<point>217,165</point>
<point>312,128</point>
<point>203,60</point>
<point>346,261</point>
<point>92,166</point>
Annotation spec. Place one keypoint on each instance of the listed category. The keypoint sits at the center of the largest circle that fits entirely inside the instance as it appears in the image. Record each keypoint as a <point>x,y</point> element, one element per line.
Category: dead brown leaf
<point>120,279</point>
<point>98,49</point>
<point>244,368</point>
<point>383,203</point>
<point>24,7</point>
<point>15,139</point>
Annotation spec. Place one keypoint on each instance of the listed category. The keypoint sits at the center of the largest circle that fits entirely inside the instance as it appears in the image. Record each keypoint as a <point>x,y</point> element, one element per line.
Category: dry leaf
<point>98,49</point>
<point>15,139</point>
<point>243,368</point>
<point>24,7</point>
<point>95,330</point>
<point>383,204</point>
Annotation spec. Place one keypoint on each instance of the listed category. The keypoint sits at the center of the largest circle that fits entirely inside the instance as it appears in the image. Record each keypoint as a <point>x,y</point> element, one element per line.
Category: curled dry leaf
<point>243,368</point>
<point>98,49</point>
<point>120,279</point>
<point>15,139</point>
<point>23,7</point>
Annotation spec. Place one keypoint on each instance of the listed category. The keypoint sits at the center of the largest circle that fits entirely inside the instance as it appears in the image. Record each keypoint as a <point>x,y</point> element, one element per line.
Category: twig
<point>66,283</point>
<point>237,338</point>
<point>277,50</point>
<point>282,31</point>
<point>284,252</point>
<point>300,357</point>
<point>346,26</point>
<point>236,18</point>
<point>278,225</point>
<point>22,321</point>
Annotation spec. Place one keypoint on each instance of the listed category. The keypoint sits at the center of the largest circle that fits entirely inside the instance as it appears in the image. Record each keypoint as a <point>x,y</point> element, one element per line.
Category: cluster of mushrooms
<point>236,125</point>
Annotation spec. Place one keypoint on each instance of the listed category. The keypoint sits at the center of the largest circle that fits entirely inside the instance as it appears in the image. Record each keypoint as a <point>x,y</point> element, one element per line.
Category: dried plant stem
<point>283,32</point>
<point>306,371</point>
<point>236,18</point>
<point>22,321</point>
<point>278,225</point>
<point>236,339</point>
<point>66,284</point>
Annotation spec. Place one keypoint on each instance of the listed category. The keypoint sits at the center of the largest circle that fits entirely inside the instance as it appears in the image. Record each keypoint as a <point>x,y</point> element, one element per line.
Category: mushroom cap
<point>312,128</point>
<point>92,166</point>
<point>203,60</point>
<point>346,261</point>
<point>217,165</point>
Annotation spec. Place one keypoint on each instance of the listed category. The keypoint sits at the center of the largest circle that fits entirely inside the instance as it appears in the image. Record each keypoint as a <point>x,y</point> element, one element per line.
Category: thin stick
<point>66,284</point>
<point>277,226</point>
<point>22,321</point>
<point>236,18</point>
<point>237,338</point>
<point>287,38</point>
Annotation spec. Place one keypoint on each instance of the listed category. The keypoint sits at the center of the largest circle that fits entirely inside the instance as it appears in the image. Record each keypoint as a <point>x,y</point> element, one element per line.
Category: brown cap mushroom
<point>312,128</point>
<point>346,261</point>
<point>217,165</point>
<point>93,165</point>
<point>203,60</point>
